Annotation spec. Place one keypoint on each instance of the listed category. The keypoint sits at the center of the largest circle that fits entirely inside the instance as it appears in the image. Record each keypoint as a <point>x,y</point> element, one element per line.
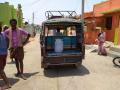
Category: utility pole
<point>82,18</point>
<point>33,17</point>
<point>82,12</point>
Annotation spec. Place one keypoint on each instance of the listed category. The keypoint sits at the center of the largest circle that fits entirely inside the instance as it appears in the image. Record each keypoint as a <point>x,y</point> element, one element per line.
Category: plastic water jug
<point>58,45</point>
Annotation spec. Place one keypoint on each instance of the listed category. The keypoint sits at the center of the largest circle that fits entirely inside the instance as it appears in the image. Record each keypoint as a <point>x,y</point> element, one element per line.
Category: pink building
<point>106,15</point>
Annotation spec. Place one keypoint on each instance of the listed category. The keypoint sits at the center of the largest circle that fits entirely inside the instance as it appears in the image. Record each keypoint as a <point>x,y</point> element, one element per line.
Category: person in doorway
<point>101,41</point>
<point>15,36</point>
<point>3,57</point>
<point>58,33</point>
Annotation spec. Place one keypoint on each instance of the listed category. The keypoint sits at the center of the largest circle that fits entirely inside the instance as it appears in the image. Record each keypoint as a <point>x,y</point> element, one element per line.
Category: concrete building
<point>8,12</point>
<point>106,17</point>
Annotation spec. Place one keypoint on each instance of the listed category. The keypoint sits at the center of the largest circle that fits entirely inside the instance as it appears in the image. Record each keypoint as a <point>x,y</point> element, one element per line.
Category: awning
<point>111,11</point>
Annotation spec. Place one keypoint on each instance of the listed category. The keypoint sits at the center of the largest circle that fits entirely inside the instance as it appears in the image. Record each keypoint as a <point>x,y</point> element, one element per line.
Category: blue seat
<point>49,41</point>
<point>67,40</point>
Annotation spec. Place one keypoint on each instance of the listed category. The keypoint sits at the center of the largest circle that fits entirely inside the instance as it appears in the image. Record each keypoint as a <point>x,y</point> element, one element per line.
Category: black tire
<point>45,66</point>
<point>116,61</point>
<point>77,65</point>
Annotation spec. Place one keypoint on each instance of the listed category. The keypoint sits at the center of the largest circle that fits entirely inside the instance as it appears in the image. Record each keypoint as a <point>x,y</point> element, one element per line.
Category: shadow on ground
<point>28,75</point>
<point>14,80</point>
<point>116,66</point>
<point>12,62</point>
<point>11,80</point>
<point>64,71</point>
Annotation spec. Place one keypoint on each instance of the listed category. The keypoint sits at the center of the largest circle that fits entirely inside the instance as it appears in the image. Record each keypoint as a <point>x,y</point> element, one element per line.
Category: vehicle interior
<point>71,37</point>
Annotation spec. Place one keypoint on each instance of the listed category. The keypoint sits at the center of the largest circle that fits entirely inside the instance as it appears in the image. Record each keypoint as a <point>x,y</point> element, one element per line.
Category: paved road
<point>96,73</point>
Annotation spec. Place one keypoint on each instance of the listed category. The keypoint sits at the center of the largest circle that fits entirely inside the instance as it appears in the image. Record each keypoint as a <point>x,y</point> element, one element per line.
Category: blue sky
<point>40,6</point>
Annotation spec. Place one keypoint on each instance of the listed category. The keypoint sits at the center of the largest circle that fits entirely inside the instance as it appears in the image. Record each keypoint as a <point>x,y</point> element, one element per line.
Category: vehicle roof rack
<point>60,14</point>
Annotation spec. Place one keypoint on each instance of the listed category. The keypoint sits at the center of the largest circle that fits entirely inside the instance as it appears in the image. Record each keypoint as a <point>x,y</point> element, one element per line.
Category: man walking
<point>3,57</point>
<point>16,44</point>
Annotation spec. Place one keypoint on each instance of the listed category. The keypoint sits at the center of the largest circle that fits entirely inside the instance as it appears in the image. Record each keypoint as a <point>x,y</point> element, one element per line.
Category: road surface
<point>96,73</point>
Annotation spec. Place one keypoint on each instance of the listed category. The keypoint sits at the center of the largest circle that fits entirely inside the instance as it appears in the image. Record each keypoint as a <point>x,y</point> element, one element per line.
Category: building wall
<point>92,23</point>
<point>101,7</point>
<point>5,15</point>
<point>118,42</point>
<point>110,6</point>
<point>105,6</point>
<point>8,12</point>
<point>113,34</point>
<point>90,37</point>
<point>115,4</point>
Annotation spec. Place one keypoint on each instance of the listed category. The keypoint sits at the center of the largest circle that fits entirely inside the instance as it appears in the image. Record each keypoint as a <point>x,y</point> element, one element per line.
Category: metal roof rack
<point>60,14</point>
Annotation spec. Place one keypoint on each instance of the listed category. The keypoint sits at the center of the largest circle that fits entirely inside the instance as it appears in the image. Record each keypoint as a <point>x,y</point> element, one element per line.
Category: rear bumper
<point>62,60</point>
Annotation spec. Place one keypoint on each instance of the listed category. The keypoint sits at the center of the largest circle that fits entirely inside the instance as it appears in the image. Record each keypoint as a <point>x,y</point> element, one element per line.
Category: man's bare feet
<point>17,74</point>
<point>23,77</point>
<point>6,87</point>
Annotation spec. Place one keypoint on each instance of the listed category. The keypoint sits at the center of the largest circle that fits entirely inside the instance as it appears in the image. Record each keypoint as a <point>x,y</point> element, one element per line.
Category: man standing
<point>3,57</point>
<point>16,44</point>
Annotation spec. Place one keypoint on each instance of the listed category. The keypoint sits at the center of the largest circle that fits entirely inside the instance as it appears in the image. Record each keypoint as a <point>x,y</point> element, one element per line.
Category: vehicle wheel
<point>116,61</point>
<point>45,66</point>
<point>77,65</point>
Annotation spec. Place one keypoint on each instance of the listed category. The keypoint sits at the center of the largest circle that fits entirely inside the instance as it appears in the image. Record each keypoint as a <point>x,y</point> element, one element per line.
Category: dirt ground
<point>96,73</point>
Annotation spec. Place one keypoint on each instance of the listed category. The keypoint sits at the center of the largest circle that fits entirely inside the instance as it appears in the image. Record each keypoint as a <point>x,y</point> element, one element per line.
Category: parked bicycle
<point>116,61</point>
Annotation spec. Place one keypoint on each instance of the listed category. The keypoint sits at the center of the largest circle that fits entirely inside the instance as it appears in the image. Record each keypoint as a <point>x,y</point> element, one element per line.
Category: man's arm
<point>25,33</point>
<point>25,42</point>
<point>7,40</point>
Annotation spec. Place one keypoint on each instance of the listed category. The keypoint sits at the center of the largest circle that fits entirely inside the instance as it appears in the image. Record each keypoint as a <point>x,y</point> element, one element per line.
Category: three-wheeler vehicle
<point>62,40</point>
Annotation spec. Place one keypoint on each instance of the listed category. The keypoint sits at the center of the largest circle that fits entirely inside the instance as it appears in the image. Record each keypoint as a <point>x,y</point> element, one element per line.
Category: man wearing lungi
<point>15,36</point>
